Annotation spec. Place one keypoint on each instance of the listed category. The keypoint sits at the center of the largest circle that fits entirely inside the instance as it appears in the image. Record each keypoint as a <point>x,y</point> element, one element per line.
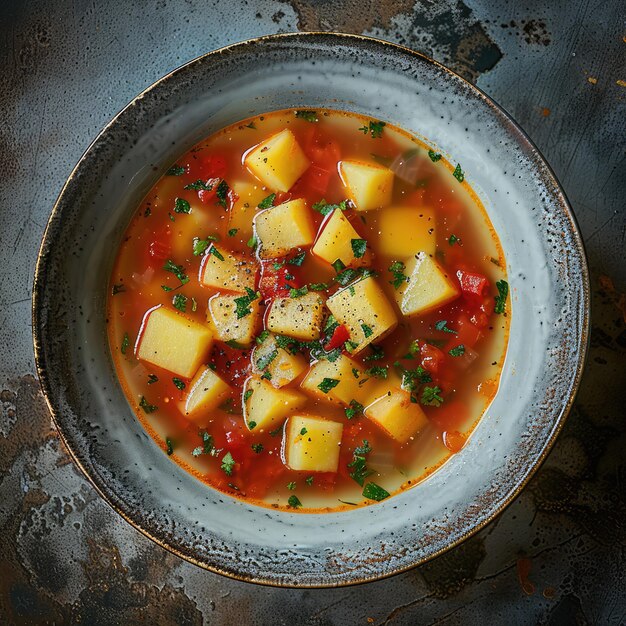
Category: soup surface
<point>309,310</point>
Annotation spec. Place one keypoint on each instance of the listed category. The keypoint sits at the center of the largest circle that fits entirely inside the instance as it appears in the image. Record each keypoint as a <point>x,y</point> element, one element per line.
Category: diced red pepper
<point>340,335</point>
<point>473,285</point>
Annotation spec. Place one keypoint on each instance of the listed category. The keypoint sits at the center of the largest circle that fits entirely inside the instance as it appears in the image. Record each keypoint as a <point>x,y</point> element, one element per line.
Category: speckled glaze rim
<point>549,179</point>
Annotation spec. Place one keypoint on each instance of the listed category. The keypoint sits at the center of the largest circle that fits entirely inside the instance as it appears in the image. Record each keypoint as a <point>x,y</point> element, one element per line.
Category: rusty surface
<point>557,555</point>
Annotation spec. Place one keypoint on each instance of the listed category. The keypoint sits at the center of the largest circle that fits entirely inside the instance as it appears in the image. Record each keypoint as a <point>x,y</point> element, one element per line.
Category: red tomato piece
<point>467,332</point>
<point>282,196</point>
<point>314,181</point>
<point>208,166</point>
<point>340,335</point>
<point>433,358</point>
<point>277,282</point>
<point>322,150</point>
<point>232,364</point>
<point>473,285</point>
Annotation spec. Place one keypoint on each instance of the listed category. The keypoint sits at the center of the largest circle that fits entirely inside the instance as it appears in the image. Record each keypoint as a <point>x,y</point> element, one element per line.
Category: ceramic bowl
<point>549,325</point>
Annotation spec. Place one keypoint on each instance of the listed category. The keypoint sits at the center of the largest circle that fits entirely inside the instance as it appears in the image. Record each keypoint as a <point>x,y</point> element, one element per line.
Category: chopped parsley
<point>146,406</point>
<point>222,193</point>
<point>360,471</point>
<point>118,289</point>
<point>309,480</point>
<point>291,486</point>
<point>354,409</point>
<point>397,270</point>
<point>152,378</point>
<point>213,251</point>
<point>327,384</point>
<point>262,337</point>
<point>324,208</point>
<point>257,447</point>
<point>267,202</point>
<point>338,266</point>
<point>303,431</point>
<point>252,242</point>
<point>200,185</point>
<point>166,288</point>
<point>169,447</point>
<point>442,325</point>
<point>298,293</point>
<point>264,361</point>
<point>412,379</point>
<point>378,371</point>
<point>175,170</point>
<point>377,353</point>
<point>125,343</point>
<point>374,128</point>
<point>318,286</point>
<point>232,232</point>
<point>293,502</point>
<point>372,491</point>
<point>228,464</point>
<point>178,383</point>
<point>200,245</point>
<point>182,206</point>
<point>431,397</point>
<point>242,303</point>
<point>251,424</point>
<point>298,259</point>
<point>359,247</point>
<point>307,115</point>
<point>177,270</point>
<point>267,375</point>
<point>457,351</point>
<point>458,173</point>
<point>231,343</point>
<point>453,239</point>
<point>434,156</point>
<point>248,394</point>
<point>367,331</point>
<point>207,445</point>
<point>503,292</point>
<point>180,302</point>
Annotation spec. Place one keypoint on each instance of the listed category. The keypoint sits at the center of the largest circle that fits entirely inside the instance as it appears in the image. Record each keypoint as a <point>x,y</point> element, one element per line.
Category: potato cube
<point>284,227</point>
<point>222,314</point>
<point>428,286</point>
<point>170,340</point>
<point>404,231</point>
<point>353,383</point>
<point>277,162</point>
<point>222,269</point>
<point>394,412</point>
<point>245,208</point>
<point>264,407</point>
<point>297,317</point>
<point>312,444</point>
<point>335,241</point>
<point>368,185</point>
<point>206,391</point>
<point>365,310</point>
<point>282,366</point>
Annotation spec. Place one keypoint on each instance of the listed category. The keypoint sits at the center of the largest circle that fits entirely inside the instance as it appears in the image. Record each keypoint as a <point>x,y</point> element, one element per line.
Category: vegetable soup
<point>309,310</point>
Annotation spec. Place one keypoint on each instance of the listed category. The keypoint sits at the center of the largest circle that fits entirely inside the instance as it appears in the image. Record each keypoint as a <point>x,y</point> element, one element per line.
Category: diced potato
<point>297,317</point>
<point>170,340</point>
<point>206,391</point>
<point>245,208</point>
<point>353,382</point>
<point>312,444</point>
<point>365,310</point>
<point>335,241</point>
<point>428,286</point>
<point>278,162</point>
<point>368,185</point>
<point>234,273</point>
<point>265,407</point>
<point>394,412</point>
<point>404,231</point>
<point>283,367</point>
<point>223,318</point>
<point>284,227</point>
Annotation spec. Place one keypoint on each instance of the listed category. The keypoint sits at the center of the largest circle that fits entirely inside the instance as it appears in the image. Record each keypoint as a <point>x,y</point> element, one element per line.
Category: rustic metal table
<point>557,555</point>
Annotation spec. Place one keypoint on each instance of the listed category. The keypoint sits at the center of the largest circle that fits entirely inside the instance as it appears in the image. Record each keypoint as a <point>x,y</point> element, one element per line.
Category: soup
<point>309,310</point>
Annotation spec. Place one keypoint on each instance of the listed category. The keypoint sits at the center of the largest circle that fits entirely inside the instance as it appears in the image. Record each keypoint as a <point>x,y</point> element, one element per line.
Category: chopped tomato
<point>473,285</point>
<point>467,332</point>
<point>282,196</point>
<point>321,149</point>
<point>454,440</point>
<point>159,247</point>
<point>432,358</point>
<point>232,364</point>
<point>208,195</point>
<point>277,282</point>
<point>450,416</point>
<point>340,335</point>
<point>314,181</point>
<point>203,167</point>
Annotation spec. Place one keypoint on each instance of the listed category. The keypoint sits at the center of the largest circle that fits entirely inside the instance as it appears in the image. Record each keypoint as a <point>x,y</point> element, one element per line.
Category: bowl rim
<point>581,356</point>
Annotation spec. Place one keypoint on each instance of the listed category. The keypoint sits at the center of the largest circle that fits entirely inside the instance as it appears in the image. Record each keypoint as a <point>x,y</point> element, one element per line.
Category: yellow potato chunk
<point>394,412</point>
<point>428,286</point>
<point>278,162</point>
<point>284,227</point>
<point>404,231</point>
<point>312,444</point>
<point>297,317</point>
<point>368,185</point>
<point>352,383</point>
<point>222,316</point>
<point>282,366</point>
<point>233,273</point>
<point>245,208</point>
<point>335,241</point>
<point>365,310</point>
<point>170,340</point>
<point>206,391</point>
<point>264,407</point>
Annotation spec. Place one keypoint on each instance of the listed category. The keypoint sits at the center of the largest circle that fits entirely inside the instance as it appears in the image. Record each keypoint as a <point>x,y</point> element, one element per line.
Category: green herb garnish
<point>453,239</point>
<point>372,491</point>
<point>177,270</point>
<point>298,259</point>
<point>257,447</point>
<point>242,303</point>
<point>291,485</point>
<point>232,232</point>
<point>293,502</point>
<point>457,351</point>
<point>169,447</point>
<point>442,325</point>
<point>431,396</point>
<point>182,206</point>
<point>175,170</point>
<point>359,247</point>
<point>374,128</point>
<point>503,292</point>
<point>125,343</point>
<point>298,293</point>
<point>360,471</point>
<point>264,361</point>
<point>367,331</point>
<point>178,383</point>
<point>434,156</point>
<point>324,208</point>
<point>354,409</point>
<point>378,371</point>
<point>152,378</point>
<point>248,394</point>
<point>458,173</point>
<point>222,193</point>
<point>180,302</point>
<point>146,406</point>
<point>327,384</point>
<point>267,202</point>
<point>309,116</point>
<point>397,270</point>
<point>228,464</point>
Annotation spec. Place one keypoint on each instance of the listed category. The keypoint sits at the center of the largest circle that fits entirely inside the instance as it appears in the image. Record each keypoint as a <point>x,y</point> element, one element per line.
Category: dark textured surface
<point>560,71</point>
